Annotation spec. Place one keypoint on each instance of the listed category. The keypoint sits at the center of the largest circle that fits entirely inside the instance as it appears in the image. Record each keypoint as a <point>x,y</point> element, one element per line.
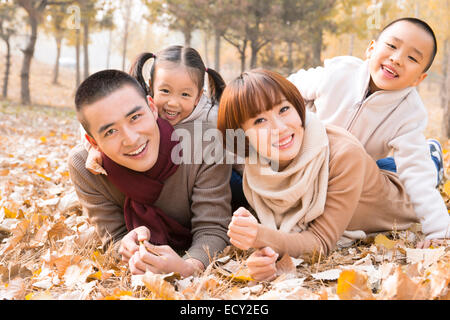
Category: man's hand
<point>130,243</point>
<point>243,229</point>
<point>261,264</point>
<point>161,259</point>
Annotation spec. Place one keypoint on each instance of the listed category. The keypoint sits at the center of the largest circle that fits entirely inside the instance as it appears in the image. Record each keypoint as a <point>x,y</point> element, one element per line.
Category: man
<point>146,198</point>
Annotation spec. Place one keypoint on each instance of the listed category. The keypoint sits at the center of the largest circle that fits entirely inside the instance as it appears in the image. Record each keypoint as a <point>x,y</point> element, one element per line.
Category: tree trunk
<point>28,53</point>
<point>58,55</point>
<point>187,39</point>
<point>445,88</point>
<point>254,56</point>
<point>77,49</point>
<point>217,36</point>
<point>125,44</point>
<point>351,45</point>
<point>317,47</point>
<point>7,67</point>
<point>108,53</point>
<point>290,61</point>
<point>86,47</point>
<point>206,40</point>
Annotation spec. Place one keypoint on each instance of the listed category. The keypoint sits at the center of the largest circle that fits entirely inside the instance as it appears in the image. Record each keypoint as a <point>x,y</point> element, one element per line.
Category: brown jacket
<point>198,196</point>
<point>360,196</point>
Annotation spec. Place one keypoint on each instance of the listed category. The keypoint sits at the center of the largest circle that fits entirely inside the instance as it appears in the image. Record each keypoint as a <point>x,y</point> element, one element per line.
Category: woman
<point>308,184</point>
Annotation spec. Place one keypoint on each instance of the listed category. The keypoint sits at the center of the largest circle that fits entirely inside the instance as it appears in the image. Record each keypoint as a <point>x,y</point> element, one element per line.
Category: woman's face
<point>276,134</point>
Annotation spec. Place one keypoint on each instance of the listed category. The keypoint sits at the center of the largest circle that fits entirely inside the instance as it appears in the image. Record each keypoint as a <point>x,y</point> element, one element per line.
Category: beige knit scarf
<point>287,200</point>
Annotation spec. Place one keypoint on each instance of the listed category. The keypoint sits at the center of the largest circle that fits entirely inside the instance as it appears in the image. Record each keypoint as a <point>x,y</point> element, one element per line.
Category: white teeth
<point>390,70</point>
<point>137,151</point>
<point>284,142</point>
<point>171,113</point>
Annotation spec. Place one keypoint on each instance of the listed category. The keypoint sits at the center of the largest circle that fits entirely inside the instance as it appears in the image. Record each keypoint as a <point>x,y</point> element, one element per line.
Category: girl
<point>325,185</point>
<point>176,82</point>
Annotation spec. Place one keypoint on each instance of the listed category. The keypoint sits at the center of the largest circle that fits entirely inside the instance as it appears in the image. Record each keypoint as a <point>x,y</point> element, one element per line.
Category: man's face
<point>124,127</point>
<point>399,57</point>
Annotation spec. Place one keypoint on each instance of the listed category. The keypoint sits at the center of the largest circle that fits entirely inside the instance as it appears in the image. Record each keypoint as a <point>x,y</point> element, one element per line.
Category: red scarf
<point>142,189</point>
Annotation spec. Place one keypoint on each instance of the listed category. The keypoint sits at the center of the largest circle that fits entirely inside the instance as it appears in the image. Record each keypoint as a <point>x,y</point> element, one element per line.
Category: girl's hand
<point>129,244</point>
<point>243,229</point>
<point>94,162</point>
<point>161,259</point>
<point>261,264</point>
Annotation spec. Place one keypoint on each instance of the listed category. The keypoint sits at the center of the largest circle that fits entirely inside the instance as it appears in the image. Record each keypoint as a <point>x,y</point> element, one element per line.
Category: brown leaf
<point>159,287</point>
<point>400,286</point>
<point>286,266</point>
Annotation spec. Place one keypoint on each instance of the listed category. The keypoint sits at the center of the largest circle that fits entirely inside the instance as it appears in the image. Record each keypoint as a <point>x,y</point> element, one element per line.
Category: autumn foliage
<point>49,249</point>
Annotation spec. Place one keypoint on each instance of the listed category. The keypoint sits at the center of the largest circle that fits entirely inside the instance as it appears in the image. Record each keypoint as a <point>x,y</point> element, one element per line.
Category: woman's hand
<point>261,264</point>
<point>94,162</point>
<point>161,259</point>
<point>243,229</point>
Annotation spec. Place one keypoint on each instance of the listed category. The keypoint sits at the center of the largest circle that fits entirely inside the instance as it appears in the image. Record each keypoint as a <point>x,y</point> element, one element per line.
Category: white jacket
<point>385,121</point>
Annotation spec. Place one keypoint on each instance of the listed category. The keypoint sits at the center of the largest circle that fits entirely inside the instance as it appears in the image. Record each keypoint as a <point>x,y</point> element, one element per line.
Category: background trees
<point>231,35</point>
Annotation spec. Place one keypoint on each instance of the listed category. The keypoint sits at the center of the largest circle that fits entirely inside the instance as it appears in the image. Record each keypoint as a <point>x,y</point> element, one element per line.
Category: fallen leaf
<point>286,266</point>
<point>424,256</point>
<point>400,286</point>
<point>353,284</point>
<point>381,239</point>
<point>159,287</point>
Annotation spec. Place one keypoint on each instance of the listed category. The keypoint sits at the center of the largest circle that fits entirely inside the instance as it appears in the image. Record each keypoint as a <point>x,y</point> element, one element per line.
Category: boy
<point>377,102</point>
<point>189,202</point>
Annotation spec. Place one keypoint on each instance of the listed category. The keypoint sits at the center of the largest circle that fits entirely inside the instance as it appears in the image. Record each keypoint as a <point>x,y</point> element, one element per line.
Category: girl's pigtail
<point>216,84</point>
<point>136,70</point>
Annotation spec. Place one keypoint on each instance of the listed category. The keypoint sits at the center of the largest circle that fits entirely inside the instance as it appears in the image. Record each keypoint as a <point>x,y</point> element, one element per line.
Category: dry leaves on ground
<point>49,250</point>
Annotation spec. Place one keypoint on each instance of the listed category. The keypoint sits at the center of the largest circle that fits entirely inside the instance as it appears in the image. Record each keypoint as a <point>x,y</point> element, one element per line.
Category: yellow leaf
<point>52,133</point>
<point>447,188</point>
<point>9,214</point>
<point>352,284</point>
<point>42,176</point>
<point>65,174</point>
<point>41,162</point>
<point>117,293</point>
<point>95,276</point>
<point>4,172</point>
<point>242,275</point>
<point>43,139</point>
<point>381,239</point>
<point>64,136</point>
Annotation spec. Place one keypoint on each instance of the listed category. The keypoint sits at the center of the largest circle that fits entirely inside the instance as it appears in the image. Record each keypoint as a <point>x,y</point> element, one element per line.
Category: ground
<point>49,250</point>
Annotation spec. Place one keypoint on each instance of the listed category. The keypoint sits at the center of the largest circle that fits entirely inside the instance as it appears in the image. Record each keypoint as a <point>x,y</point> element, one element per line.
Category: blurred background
<point>48,47</point>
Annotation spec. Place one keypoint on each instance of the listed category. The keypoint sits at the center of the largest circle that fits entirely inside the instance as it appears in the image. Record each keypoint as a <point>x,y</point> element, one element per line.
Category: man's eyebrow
<point>106,126</point>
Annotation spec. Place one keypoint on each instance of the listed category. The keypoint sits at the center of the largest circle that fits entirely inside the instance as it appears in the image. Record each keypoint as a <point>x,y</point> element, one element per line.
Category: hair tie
<point>206,70</point>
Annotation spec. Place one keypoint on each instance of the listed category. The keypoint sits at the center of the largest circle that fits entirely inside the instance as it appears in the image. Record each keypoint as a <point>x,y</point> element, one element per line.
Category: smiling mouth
<point>171,114</point>
<point>390,71</point>
<point>137,151</point>
<point>284,142</point>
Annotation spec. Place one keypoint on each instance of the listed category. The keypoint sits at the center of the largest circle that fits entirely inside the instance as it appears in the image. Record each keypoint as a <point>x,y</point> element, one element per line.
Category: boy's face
<point>124,127</point>
<point>398,58</point>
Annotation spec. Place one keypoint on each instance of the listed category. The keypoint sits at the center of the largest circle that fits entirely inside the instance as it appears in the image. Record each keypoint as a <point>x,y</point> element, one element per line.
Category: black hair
<point>100,85</point>
<point>187,56</point>
<point>424,26</point>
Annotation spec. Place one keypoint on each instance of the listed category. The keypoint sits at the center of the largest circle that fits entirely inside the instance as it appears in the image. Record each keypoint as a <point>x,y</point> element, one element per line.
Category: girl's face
<point>175,93</point>
<point>276,134</point>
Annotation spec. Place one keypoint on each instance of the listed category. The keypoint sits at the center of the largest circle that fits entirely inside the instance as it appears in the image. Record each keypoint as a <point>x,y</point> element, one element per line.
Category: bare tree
<point>7,20</point>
